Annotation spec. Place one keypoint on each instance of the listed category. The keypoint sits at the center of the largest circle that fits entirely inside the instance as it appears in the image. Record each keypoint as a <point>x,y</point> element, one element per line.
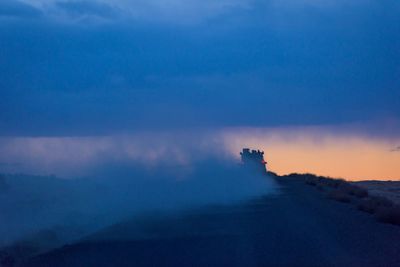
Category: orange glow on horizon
<point>342,156</point>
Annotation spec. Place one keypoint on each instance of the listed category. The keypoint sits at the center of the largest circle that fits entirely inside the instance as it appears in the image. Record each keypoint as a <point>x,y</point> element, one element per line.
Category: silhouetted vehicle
<point>254,159</point>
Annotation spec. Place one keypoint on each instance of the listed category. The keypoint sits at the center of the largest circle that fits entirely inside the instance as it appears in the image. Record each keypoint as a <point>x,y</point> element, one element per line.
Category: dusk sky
<point>116,67</point>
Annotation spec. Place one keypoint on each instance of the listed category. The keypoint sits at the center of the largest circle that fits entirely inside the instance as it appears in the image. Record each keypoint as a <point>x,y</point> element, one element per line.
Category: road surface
<point>298,227</point>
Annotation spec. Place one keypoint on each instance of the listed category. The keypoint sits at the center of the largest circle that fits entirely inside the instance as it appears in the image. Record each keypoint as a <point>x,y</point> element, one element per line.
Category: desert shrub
<point>322,181</point>
<point>353,190</point>
<point>359,192</point>
<point>295,174</point>
<point>272,174</point>
<point>388,214</point>
<point>335,183</point>
<point>320,187</point>
<point>372,204</point>
<point>340,196</point>
<point>367,206</point>
<point>302,175</point>
<point>312,181</point>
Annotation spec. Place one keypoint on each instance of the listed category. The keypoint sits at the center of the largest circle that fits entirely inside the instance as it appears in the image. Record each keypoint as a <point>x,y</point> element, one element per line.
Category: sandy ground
<point>388,189</point>
<point>299,227</point>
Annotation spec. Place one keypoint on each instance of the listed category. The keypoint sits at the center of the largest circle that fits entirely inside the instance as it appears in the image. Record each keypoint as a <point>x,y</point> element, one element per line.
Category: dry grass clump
<point>340,190</point>
<point>340,196</point>
<point>320,187</point>
<point>353,190</point>
<point>333,183</point>
<point>309,178</point>
<point>312,180</point>
<point>388,214</point>
<point>372,204</point>
<point>336,185</point>
<point>383,209</point>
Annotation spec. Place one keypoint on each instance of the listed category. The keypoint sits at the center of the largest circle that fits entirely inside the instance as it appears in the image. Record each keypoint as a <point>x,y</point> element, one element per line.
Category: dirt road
<point>299,227</point>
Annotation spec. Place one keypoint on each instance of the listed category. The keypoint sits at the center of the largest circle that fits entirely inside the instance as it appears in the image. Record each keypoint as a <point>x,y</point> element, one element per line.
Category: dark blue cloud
<point>17,9</point>
<point>87,8</point>
<point>257,67</point>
